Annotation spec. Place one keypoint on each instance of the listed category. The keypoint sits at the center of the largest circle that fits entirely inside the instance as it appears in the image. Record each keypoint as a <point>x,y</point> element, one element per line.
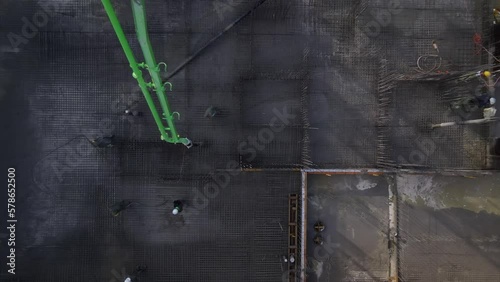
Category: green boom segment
<point>168,131</point>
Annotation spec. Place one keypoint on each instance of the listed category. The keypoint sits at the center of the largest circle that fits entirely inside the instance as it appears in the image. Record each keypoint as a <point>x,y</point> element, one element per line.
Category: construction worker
<point>177,207</point>
<point>133,113</point>
<point>483,74</point>
<point>284,258</point>
<point>103,142</point>
<point>319,226</point>
<point>318,240</point>
<point>485,101</point>
<point>211,112</point>
<point>496,16</point>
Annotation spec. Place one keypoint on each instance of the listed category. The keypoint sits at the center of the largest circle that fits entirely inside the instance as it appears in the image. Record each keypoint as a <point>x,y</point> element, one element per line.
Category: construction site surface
<point>321,162</point>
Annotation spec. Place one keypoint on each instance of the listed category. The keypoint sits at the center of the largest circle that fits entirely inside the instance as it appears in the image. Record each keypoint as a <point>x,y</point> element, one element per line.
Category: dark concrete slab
<point>449,227</point>
<point>355,211</point>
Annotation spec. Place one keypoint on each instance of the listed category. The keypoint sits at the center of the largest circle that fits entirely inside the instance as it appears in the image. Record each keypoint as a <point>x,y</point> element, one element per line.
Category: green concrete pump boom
<point>168,132</point>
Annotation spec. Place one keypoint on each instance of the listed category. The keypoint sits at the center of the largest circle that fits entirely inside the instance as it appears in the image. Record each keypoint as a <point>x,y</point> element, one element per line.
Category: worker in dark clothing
<point>496,15</point>
<point>133,113</point>
<point>103,142</point>
<point>211,112</point>
<point>118,207</point>
<point>318,240</point>
<point>485,101</point>
<point>319,226</point>
<point>177,207</point>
